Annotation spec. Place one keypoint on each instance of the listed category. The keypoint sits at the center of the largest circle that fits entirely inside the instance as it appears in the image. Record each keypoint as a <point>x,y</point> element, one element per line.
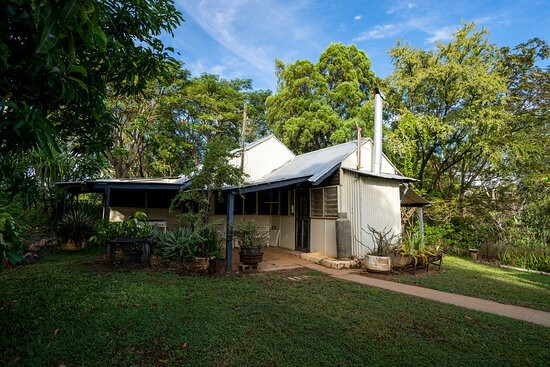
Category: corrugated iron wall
<point>369,201</point>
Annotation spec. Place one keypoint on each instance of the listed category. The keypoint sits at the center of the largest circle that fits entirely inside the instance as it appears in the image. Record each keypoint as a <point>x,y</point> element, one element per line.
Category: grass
<point>68,310</point>
<point>463,276</point>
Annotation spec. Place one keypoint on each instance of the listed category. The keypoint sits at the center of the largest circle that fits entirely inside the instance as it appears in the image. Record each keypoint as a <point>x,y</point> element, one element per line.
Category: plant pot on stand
<point>474,254</point>
<point>377,264</point>
<point>217,266</point>
<point>251,256</point>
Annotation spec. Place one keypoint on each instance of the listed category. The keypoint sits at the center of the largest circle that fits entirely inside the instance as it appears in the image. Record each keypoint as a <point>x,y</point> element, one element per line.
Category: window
<point>268,203</point>
<point>250,203</point>
<point>284,202</point>
<point>324,202</point>
<point>317,203</point>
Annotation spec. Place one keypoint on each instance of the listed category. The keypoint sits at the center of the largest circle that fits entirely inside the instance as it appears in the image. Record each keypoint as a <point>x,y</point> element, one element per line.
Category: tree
<point>211,175</point>
<point>163,131</point>
<point>319,104</point>
<point>450,108</point>
<point>470,120</point>
<point>57,57</point>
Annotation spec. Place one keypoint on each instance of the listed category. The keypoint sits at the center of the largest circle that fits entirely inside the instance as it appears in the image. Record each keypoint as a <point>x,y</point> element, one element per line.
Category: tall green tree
<point>316,105</point>
<point>57,58</point>
<point>450,111</point>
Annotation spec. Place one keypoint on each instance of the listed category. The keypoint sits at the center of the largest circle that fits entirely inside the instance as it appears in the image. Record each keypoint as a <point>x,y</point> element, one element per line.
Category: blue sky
<point>241,38</point>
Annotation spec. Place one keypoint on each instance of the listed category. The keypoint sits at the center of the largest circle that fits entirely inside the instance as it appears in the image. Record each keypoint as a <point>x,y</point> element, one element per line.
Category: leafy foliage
<point>250,235</point>
<point>77,226</point>
<point>469,120</point>
<point>57,57</point>
<point>319,104</point>
<point>210,176</point>
<point>10,238</point>
<point>134,226</point>
<point>181,244</point>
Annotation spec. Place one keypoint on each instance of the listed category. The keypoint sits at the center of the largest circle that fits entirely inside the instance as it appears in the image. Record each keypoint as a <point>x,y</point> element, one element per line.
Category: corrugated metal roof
<point>252,144</point>
<point>386,176</point>
<point>410,198</point>
<point>163,180</point>
<point>313,165</point>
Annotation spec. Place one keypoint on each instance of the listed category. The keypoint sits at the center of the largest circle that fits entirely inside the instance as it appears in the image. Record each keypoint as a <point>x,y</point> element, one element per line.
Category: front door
<point>302,220</point>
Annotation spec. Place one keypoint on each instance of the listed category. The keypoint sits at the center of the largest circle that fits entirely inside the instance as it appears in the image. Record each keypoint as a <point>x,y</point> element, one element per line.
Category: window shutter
<point>317,202</point>
<point>331,202</point>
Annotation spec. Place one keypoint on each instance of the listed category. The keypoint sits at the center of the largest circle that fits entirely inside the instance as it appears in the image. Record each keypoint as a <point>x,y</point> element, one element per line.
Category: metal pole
<point>64,199</point>
<point>229,231</point>
<point>106,207</point>
<point>421,223</point>
<point>243,137</point>
<point>377,151</point>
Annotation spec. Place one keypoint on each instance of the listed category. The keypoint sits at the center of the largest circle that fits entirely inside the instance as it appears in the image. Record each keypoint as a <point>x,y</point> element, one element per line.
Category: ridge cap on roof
<point>363,141</point>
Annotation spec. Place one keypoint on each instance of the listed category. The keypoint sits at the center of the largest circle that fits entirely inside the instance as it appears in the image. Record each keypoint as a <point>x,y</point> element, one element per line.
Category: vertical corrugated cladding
<point>369,201</point>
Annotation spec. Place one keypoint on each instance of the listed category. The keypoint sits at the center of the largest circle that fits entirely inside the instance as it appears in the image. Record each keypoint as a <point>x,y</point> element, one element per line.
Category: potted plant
<point>75,228</point>
<point>251,240</point>
<point>474,254</point>
<point>213,250</point>
<point>378,259</point>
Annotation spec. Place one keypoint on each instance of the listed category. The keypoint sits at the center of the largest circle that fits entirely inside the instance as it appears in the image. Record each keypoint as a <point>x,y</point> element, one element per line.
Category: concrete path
<point>280,259</point>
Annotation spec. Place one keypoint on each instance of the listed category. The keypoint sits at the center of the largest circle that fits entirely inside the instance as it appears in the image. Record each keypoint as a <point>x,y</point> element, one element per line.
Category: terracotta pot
<point>201,264</point>
<point>70,245</point>
<point>379,264</point>
<point>132,258</point>
<point>474,253</point>
<point>217,267</point>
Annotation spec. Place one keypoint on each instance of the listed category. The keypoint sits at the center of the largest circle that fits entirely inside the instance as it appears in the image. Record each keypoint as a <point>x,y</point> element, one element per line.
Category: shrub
<point>523,249</point>
<point>182,244</point>
<point>212,243</point>
<point>77,226</point>
<point>133,226</point>
<point>249,235</point>
<point>10,238</point>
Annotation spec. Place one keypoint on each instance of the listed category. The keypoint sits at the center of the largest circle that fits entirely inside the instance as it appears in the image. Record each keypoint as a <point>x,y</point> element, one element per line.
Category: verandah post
<point>107,204</point>
<point>421,223</point>
<point>229,231</point>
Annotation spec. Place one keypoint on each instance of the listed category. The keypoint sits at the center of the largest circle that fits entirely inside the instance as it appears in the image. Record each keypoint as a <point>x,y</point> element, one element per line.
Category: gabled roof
<point>313,165</point>
<point>386,176</point>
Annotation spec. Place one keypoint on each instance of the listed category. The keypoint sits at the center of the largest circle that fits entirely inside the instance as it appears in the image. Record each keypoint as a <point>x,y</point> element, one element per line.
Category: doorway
<point>302,220</point>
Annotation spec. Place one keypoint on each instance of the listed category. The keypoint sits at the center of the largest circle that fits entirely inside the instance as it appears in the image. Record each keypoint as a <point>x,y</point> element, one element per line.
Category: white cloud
<point>378,32</point>
<point>401,5</point>
<point>441,34</point>
<point>422,24</point>
<point>357,17</point>
<point>252,30</point>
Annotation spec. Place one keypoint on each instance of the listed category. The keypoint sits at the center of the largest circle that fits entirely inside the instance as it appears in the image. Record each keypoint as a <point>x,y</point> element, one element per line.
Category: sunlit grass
<point>69,310</point>
<point>463,276</point>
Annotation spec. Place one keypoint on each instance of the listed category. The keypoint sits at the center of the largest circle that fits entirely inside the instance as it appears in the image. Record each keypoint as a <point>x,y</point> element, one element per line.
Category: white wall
<point>282,222</point>
<point>366,160</point>
<point>371,201</point>
<point>323,236</point>
<point>263,158</point>
<point>173,221</point>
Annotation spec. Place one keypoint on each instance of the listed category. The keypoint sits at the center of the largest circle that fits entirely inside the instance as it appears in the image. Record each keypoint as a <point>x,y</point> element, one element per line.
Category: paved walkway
<point>279,259</point>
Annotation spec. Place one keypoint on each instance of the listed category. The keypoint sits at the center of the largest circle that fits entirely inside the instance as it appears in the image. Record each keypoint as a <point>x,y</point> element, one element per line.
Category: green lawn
<point>67,310</point>
<point>463,276</point>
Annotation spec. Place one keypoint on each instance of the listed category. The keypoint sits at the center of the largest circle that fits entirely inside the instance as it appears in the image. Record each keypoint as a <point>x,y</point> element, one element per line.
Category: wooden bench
<point>145,242</point>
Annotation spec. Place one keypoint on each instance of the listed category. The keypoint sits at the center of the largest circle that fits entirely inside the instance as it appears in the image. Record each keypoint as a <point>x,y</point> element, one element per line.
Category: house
<point>296,198</point>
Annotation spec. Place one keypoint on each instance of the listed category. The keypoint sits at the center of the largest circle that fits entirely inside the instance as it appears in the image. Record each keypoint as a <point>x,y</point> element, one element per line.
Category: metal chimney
<point>377,151</point>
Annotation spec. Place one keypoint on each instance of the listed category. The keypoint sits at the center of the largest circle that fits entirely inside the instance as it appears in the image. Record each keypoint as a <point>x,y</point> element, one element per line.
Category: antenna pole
<point>358,145</point>
<point>242,137</point>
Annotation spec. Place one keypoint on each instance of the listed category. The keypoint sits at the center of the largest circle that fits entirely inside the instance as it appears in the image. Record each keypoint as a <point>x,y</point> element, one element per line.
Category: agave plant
<point>77,226</point>
<point>182,244</point>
